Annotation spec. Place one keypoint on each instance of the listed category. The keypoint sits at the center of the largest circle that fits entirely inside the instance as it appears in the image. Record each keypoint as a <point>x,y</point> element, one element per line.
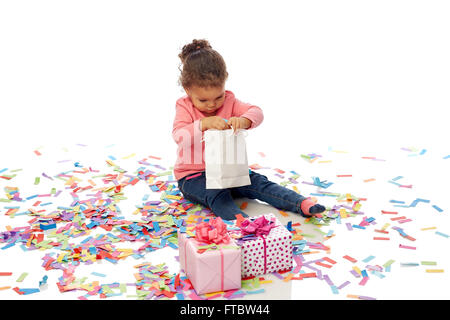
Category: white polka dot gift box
<point>266,245</point>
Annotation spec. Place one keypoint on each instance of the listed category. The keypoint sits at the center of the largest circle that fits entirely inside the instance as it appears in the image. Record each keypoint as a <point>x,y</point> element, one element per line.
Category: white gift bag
<point>226,164</point>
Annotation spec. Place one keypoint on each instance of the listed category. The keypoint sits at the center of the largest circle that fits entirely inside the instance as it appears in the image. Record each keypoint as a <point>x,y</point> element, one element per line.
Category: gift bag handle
<point>240,131</point>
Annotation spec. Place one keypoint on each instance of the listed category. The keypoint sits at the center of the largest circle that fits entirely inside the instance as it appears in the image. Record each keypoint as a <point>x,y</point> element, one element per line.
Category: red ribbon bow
<point>258,227</point>
<point>213,231</point>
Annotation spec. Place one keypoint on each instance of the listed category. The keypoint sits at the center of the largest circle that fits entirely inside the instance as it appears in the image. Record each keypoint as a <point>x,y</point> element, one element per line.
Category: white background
<point>366,76</point>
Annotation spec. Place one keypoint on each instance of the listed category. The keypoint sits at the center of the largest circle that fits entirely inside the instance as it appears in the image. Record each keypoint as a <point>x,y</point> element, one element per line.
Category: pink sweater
<point>187,134</point>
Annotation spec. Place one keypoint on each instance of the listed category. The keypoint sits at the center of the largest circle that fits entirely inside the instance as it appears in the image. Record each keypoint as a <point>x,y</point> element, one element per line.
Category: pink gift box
<point>213,270</point>
<point>266,254</point>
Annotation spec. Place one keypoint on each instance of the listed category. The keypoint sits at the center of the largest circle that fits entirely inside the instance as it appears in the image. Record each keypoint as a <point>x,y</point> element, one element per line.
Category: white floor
<point>425,172</point>
<point>343,79</point>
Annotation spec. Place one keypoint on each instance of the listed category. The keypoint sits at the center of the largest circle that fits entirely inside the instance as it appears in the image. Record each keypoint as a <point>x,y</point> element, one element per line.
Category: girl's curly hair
<point>202,66</point>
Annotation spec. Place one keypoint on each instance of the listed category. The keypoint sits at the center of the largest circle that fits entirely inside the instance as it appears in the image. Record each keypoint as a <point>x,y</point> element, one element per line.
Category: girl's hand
<point>214,122</point>
<point>239,123</point>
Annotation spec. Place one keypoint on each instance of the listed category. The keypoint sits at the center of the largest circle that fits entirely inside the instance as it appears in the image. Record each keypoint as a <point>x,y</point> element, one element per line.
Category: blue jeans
<point>220,201</point>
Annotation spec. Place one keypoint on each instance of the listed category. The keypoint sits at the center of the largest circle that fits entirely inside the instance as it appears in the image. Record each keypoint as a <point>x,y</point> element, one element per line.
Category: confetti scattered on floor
<point>91,229</point>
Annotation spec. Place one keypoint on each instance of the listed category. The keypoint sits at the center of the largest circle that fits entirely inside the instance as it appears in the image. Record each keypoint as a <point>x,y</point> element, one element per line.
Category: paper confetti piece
<point>43,281</point>
<point>329,260</point>
<point>409,264</point>
<point>239,219</point>
<point>212,294</point>
<point>385,226</point>
<point>398,218</point>
<point>288,277</point>
<point>334,289</point>
<point>346,283</point>
<point>22,277</point>
<point>350,258</point>
<point>388,263</point>
<point>265,281</point>
<point>194,296</point>
<point>323,264</point>
<point>428,263</point>
<point>27,291</point>
<point>98,274</point>
<point>283,213</point>
<point>256,291</point>
<point>406,247</point>
<point>442,234</point>
<point>369,258</point>
<point>308,275</point>
<point>397,201</point>
<point>388,212</point>
<point>5,274</point>
<point>129,156</point>
<point>366,298</point>
<point>180,296</point>
<point>437,208</point>
<point>363,281</point>
<point>355,268</point>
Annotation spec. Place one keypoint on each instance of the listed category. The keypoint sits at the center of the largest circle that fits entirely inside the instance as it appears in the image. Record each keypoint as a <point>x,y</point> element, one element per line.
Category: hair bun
<point>190,48</point>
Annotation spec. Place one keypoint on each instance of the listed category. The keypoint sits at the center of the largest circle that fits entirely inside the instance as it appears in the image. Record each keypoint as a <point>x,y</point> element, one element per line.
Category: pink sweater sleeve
<point>187,134</point>
<point>249,111</point>
<point>183,120</point>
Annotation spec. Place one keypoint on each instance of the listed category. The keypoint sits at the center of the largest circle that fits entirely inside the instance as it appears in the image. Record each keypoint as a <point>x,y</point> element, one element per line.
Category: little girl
<point>208,105</point>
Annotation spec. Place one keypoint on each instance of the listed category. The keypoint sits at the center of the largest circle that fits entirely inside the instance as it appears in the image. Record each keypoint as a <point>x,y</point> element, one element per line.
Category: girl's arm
<point>248,113</point>
<point>185,129</point>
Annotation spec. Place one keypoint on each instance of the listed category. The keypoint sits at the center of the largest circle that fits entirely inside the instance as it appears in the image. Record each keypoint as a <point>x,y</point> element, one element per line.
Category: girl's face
<point>208,100</point>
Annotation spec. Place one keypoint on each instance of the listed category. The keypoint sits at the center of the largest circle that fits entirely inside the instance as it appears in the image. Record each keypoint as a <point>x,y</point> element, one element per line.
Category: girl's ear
<point>187,91</point>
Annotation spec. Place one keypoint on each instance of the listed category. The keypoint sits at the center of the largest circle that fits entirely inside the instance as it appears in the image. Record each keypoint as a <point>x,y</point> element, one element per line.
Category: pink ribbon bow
<point>213,231</point>
<point>258,227</point>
